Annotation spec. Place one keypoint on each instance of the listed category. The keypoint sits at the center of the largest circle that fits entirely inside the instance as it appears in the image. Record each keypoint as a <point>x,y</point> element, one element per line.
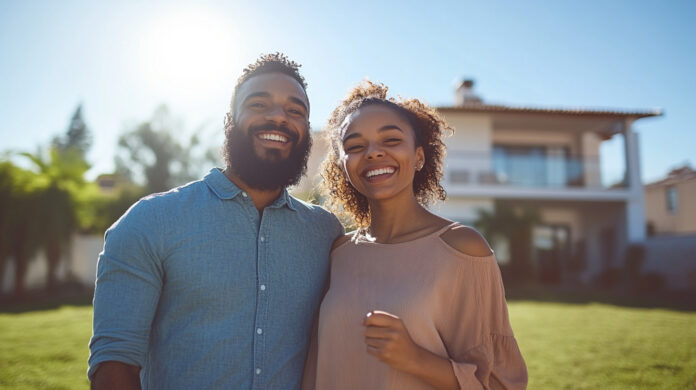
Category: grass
<point>45,349</point>
<point>598,346</point>
<point>567,345</point>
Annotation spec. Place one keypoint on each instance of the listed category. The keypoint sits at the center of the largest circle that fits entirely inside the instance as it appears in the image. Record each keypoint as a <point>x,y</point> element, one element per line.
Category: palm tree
<point>20,219</point>
<point>63,172</point>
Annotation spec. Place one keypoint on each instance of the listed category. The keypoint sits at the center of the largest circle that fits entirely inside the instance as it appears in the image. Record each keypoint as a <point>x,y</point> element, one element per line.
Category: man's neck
<point>261,198</point>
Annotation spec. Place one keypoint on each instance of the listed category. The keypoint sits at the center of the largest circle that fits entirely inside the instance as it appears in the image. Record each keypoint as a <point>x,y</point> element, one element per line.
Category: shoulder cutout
<point>467,241</point>
<point>341,240</point>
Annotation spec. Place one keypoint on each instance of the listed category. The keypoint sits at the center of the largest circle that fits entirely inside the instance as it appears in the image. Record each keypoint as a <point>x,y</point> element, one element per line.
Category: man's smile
<point>274,137</point>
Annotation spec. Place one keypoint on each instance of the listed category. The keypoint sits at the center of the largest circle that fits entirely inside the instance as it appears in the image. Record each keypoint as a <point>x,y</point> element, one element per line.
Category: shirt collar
<point>224,188</point>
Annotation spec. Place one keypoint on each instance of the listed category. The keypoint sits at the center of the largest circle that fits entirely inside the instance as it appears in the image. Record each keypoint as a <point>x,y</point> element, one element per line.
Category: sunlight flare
<point>188,52</point>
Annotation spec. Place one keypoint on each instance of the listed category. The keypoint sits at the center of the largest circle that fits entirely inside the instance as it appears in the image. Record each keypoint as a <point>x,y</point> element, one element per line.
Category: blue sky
<point>122,59</point>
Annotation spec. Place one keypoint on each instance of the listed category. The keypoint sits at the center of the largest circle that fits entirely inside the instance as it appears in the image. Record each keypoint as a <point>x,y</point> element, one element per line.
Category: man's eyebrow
<point>300,102</point>
<point>257,94</point>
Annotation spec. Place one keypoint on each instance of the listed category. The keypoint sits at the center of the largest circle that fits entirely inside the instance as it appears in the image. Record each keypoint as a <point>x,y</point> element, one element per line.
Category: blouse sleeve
<point>495,362</point>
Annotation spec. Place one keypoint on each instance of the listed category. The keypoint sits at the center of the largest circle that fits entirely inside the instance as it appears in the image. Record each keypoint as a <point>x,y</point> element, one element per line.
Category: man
<point>214,285</point>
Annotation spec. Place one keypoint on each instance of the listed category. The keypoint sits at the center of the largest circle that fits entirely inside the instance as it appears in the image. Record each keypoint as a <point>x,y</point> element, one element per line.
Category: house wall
<point>590,143</point>
<point>673,257</point>
<point>537,138</point>
<point>80,265</point>
<point>472,133</point>
<point>469,148</point>
<point>665,222</point>
<point>464,210</point>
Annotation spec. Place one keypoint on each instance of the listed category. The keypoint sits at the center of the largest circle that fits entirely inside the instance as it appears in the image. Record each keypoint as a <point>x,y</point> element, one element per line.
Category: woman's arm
<point>388,340</point>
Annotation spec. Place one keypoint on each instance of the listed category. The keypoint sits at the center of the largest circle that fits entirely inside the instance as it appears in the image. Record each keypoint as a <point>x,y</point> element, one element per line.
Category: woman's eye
<point>257,105</point>
<point>392,141</point>
<point>354,148</point>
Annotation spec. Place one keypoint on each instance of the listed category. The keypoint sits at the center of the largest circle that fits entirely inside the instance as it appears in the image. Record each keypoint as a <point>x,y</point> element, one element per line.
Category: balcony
<point>531,173</point>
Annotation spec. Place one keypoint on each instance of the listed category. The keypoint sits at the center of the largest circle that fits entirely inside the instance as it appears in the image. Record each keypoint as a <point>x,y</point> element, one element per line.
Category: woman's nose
<point>374,151</point>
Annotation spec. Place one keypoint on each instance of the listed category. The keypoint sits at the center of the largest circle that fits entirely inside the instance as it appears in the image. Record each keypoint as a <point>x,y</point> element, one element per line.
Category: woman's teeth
<point>380,171</point>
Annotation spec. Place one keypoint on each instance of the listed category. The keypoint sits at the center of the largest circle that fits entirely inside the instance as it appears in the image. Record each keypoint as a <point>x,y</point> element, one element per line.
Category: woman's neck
<point>395,219</point>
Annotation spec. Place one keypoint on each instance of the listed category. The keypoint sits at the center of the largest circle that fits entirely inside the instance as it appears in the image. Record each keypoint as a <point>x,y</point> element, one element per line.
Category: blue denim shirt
<point>203,293</point>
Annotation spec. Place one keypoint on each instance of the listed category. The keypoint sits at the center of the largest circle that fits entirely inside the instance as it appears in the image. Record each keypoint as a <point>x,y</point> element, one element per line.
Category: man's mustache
<point>273,127</point>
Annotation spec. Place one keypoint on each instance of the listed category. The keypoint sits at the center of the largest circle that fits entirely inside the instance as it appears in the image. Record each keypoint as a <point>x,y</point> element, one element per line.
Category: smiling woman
<point>187,52</point>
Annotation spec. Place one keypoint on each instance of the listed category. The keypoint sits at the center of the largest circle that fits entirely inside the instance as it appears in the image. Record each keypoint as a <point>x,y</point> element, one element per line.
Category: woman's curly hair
<point>429,128</point>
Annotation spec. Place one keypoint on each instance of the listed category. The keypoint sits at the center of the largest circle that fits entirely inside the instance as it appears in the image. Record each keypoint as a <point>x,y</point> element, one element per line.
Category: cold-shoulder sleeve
<point>480,341</point>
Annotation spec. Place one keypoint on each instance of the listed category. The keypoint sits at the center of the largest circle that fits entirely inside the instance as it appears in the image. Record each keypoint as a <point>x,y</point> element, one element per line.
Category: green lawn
<point>566,346</point>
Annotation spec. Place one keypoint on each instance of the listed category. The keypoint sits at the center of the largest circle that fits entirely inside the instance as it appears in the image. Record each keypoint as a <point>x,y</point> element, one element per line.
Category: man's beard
<point>269,172</point>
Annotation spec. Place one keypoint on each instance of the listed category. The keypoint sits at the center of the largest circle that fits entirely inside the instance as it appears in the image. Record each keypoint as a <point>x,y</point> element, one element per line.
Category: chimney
<point>464,94</point>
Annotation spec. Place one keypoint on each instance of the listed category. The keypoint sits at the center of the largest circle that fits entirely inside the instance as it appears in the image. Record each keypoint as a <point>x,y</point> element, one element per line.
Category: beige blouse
<point>452,304</point>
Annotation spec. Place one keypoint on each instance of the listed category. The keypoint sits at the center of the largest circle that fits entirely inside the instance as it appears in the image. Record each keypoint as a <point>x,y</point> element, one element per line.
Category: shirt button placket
<point>261,308</point>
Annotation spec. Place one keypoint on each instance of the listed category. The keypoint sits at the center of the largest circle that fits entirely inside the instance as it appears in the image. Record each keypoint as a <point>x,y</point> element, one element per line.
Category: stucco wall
<point>665,222</point>
<point>79,265</point>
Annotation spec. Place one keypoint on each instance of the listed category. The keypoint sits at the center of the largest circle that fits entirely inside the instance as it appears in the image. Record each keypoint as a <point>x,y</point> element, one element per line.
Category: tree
<point>63,174</point>
<point>150,154</point>
<point>77,138</point>
<point>20,220</point>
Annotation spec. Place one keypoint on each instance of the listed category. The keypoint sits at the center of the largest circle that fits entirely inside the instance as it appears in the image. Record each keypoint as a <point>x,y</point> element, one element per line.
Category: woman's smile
<point>379,174</point>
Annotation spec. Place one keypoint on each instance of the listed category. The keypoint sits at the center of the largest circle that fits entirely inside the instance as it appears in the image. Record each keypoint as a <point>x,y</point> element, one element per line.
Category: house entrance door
<point>551,251</point>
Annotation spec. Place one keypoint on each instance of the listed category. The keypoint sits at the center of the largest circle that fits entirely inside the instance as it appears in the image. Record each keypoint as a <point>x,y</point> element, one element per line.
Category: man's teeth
<point>380,171</point>
<point>273,137</point>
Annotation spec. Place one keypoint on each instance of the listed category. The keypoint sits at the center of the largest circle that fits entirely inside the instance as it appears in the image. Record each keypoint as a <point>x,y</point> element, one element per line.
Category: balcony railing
<point>475,169</point>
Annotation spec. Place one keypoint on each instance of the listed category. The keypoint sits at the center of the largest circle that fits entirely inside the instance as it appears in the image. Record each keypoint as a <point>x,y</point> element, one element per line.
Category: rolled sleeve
<point>497,364</point>
<point>127,290</point>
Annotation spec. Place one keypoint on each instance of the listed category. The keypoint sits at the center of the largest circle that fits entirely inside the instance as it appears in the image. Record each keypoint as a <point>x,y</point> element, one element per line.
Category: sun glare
<point>187,52</point>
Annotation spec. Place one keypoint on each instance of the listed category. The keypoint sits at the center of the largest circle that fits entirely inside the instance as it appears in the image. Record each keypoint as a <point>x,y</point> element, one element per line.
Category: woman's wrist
<point>433,369</point>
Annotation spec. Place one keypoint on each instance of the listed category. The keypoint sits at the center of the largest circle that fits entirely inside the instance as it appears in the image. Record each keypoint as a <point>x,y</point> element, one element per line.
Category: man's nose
<point>277,115</point>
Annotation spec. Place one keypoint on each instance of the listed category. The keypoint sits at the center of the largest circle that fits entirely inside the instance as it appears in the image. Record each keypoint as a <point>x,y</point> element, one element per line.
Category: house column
<point>635,208</point>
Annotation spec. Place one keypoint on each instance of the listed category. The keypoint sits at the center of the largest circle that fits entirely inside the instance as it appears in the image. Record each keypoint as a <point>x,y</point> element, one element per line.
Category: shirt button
<point>258,371</point>
<point>262,239</point>
<point>259,330</point>
<point>244,194</point>
<point>262,287</point>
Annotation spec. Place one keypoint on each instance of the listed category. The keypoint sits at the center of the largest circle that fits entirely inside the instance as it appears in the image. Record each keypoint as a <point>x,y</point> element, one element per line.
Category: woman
<point>415,300</point>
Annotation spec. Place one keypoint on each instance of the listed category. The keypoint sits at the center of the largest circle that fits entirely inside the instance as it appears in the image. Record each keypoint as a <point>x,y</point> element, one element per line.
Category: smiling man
<point>214,285</point>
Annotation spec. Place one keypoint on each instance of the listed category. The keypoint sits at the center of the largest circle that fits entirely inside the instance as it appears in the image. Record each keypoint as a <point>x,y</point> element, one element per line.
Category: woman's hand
<point>388,340</point>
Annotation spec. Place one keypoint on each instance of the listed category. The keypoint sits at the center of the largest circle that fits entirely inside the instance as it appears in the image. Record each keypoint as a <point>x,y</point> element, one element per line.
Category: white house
<point>547,159</point>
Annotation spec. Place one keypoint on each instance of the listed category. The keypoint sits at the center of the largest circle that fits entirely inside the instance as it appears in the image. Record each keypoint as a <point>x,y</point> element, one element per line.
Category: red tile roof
<point>567,111</point>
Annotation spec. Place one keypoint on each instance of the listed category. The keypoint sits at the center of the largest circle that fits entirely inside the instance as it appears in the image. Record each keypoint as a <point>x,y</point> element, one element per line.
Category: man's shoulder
<point>161,204</point>
<point>313,210</point>
<point>308,207</point>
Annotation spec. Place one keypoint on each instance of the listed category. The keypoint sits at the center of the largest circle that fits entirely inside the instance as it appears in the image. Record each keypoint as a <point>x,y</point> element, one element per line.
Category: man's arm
<point>128,287</point>
<point>116,376</point>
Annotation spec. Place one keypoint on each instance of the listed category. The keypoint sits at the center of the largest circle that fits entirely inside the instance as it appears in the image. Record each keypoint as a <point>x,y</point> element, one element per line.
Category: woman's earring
<point>419,166</point>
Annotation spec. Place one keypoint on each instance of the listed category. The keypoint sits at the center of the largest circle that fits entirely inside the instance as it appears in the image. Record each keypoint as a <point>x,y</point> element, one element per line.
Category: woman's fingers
<point>375,343</point>
<point>378,332</point>
<point>380,318</point>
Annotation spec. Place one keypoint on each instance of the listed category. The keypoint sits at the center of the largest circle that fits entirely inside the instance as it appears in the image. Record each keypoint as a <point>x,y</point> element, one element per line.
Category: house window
<point>533,166</point>
<point>672,199</point>
<point>501,248</point>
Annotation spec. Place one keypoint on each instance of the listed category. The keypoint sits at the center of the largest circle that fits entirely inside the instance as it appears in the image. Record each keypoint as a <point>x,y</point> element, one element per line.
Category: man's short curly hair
<point>429,128</point>
<point>269,63</point>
